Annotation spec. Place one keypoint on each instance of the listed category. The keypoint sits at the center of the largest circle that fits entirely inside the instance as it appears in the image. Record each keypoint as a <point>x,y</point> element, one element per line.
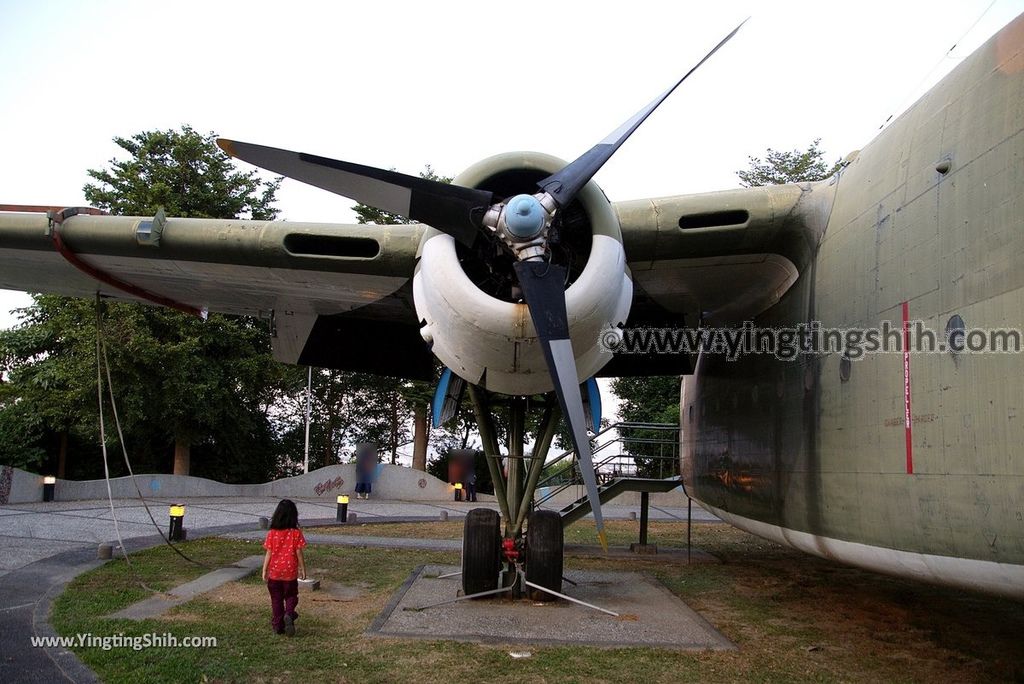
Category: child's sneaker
<point>289,625</point>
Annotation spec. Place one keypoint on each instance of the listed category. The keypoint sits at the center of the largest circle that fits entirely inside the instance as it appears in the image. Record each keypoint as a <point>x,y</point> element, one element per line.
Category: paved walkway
<point>158,604</point>
<point>31,532</point>
<point>43,546</point>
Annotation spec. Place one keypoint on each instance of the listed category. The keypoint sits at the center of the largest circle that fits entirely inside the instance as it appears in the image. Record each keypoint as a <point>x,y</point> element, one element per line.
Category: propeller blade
<point>543,287</point>
<point>452,209</point>
<point>566,183</point>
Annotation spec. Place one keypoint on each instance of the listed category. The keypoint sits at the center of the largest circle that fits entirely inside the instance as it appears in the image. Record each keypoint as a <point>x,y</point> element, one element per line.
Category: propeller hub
<point>525,218</point>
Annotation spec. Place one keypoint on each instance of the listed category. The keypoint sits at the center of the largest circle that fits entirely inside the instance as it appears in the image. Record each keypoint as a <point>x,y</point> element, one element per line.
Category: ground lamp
<point>176,531</point>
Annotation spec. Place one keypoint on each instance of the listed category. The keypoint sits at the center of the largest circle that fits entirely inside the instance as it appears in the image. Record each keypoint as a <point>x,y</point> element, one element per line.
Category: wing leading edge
<point>325,287</point>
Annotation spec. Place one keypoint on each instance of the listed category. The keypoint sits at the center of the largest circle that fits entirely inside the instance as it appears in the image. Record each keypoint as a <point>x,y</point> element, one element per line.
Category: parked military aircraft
<point>518,272</point>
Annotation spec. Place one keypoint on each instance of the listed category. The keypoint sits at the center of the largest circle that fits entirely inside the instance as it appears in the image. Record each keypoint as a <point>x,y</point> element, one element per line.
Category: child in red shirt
<point>283,565</point>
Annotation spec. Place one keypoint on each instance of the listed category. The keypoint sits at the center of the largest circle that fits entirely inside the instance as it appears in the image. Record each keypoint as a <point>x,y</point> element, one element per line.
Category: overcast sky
<point>404,84</point>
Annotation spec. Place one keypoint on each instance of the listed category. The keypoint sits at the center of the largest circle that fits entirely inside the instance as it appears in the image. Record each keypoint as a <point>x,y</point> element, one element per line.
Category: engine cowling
<point>469,308</point>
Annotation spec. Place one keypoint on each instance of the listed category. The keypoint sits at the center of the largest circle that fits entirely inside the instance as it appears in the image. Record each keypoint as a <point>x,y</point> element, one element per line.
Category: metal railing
<point>641,451</point>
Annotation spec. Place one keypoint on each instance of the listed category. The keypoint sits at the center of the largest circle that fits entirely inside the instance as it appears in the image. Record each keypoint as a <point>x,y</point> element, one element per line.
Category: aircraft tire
<point>545,545</point>
<point>481,551</point>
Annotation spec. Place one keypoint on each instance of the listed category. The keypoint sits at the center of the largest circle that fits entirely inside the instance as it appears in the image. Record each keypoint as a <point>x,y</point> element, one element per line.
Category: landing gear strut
<point>541,549</point>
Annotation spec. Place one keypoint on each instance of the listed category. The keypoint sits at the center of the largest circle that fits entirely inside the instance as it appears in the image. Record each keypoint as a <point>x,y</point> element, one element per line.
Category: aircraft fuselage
<point>905,464</point>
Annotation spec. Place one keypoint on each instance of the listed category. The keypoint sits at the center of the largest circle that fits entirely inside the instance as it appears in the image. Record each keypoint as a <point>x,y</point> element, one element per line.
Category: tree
<point>405,397</point>
<point>343,413</point>
<point>49,377</point>
<point>204,385</point>
<point>788,167</point>
<point>649,400</point>
<point>185,173</point>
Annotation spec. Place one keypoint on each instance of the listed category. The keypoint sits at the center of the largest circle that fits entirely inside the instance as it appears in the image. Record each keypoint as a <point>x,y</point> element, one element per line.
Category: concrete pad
<point>161,603</point>
<point>649,614</point>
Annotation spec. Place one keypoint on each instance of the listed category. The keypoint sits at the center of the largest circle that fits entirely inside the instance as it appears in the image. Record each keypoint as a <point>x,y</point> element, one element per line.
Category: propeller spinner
<point>521,224</point>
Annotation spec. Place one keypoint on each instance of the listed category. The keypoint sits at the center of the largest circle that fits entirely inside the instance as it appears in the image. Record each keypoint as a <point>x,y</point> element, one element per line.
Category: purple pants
<point>284,596</point>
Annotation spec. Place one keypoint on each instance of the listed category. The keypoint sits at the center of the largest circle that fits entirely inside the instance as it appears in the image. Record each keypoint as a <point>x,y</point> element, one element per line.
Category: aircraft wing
<point>340,296</point>
<point>720,258</point>
<point>325,289</point>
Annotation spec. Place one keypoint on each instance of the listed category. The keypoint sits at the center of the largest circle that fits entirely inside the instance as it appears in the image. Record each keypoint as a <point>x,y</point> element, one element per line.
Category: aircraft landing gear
<point>537,559</point>
<point>481,551</point>
<point>484,550</point>
<point>544,548</point>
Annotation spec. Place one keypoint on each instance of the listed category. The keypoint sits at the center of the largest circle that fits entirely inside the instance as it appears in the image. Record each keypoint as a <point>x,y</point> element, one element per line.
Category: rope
<point>101,350</point>
<point>103,446</point>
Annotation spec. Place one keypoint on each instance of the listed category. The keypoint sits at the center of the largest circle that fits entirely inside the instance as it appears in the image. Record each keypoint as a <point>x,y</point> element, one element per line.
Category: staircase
<point>606,492</point>
<point>658,447</point>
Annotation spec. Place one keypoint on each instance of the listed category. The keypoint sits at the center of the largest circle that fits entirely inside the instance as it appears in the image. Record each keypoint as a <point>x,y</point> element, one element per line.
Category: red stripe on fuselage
<point>907,418</point>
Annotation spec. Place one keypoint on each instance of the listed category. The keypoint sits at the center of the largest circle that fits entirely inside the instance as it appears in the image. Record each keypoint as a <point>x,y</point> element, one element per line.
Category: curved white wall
<point>392,482</point>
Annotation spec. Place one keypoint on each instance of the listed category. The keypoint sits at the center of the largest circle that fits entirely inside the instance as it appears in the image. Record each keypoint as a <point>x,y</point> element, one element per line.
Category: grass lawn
<point>793,618</point>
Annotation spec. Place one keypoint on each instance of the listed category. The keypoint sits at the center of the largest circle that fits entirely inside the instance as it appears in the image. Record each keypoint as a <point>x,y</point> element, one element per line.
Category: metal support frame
<point>518,581</point>
<point>645,506</point>
<point>689,526</point>
<point>546,433</point>
<point>514,465</point>
<point>485,424</point>
<point>567,598</point>
<point>514,491</point>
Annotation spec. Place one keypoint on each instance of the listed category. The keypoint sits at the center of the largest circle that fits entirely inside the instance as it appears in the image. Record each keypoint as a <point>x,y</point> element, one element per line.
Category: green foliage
<point>206,385</point>
<point>438,467</point>
<point>185,173</point>
<point>649,400</point>
<point>347,408</point>
<point>788,167</point>
<point>560,473</point>
<point>209,383</point>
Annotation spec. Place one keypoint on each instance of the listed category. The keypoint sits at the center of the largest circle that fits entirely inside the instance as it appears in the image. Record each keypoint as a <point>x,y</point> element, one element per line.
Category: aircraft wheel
<point>544,549</point>
<point>481,551</point>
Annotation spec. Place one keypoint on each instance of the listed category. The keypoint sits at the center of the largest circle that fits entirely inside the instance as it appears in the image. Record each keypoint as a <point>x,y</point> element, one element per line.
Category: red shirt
<point>282,544</point>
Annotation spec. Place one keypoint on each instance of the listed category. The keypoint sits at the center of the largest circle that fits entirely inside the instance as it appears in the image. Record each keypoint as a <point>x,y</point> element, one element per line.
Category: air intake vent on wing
<point>714,219</point>
<point>332,245</point>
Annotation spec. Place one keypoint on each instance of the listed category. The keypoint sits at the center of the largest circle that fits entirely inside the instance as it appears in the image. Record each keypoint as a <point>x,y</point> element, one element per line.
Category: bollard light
<point>343,508</point>
<point>458,491</point>
<point>49,484</point>
<point>176,531</point>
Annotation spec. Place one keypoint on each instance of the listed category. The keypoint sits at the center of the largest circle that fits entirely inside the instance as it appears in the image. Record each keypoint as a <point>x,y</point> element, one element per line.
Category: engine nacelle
<point>491,341</point>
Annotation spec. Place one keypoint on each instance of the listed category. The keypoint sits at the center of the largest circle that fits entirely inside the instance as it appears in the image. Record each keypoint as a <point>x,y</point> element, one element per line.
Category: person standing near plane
<point>283,565</point>
<point>471,480</point>
<point>366,464</point>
